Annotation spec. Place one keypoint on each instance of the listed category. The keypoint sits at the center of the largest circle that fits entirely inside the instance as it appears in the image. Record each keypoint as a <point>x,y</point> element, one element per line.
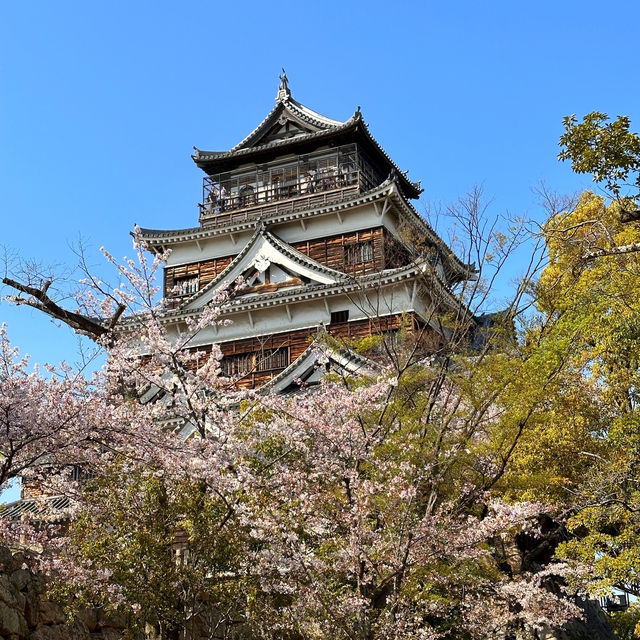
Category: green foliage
<point>593,425</point>
<point>604,148</point>
<point>626,624</point>
<point>133,539</point>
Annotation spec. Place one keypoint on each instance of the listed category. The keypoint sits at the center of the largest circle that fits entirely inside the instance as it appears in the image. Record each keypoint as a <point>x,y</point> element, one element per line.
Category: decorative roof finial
<point>283,89</point>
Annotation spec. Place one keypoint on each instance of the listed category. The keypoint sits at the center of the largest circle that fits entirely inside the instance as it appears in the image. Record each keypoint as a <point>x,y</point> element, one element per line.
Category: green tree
<point>626,624</point>
<point>156,548</point>
<point>591,289</point>
<point>610,152</point>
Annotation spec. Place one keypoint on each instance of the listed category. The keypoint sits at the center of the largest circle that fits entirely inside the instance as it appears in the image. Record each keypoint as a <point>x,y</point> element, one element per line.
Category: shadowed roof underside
<point>291,124</point>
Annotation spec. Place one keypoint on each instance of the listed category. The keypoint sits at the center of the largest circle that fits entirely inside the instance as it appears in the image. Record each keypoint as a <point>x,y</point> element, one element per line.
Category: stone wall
<point>25,614</point>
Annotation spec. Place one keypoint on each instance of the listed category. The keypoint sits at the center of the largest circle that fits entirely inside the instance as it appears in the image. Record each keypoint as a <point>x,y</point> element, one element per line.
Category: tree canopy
<point>609,152</point>
<point>468,491</point>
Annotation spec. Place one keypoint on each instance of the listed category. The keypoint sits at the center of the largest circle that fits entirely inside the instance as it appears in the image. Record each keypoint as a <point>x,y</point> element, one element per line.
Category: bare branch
<point>40,300</point>
<point>634,247</point>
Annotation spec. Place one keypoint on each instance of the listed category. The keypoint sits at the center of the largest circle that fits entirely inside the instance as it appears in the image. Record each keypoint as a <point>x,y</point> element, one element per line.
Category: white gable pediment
<point>265,265</point>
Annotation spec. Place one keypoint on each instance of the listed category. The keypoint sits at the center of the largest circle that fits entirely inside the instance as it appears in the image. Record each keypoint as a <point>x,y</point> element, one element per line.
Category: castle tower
<point>316,220</point>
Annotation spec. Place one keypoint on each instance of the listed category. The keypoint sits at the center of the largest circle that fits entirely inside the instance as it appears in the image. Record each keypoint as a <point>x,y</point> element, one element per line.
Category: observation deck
<point>317,179</point>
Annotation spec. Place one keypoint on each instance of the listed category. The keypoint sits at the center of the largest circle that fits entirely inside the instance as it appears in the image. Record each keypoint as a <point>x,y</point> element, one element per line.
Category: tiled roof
<point>163,237</point>
<point>371,281</point>
<point>298,111</point>
<point>239,151</point>
<point>345,358</point>
<point>289,108</point>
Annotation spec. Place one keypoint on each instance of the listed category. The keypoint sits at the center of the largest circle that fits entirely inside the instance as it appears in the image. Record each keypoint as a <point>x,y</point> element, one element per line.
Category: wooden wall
<point>297,341</point>
<point>329,251</point>
<point>206,271</point>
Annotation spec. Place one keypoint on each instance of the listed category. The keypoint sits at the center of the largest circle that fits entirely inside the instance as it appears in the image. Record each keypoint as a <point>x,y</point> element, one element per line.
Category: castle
<point>314,222</point>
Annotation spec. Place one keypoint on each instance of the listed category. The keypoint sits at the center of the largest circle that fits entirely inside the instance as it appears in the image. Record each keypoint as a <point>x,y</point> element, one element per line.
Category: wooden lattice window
<point>358,253</point>
<point>186,286</point>
<point>272,359</point>
<point>242,364</point>
<point>237,365</point>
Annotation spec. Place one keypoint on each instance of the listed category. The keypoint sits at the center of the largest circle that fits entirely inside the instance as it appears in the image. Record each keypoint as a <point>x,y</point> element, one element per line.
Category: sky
<point>101,103</point>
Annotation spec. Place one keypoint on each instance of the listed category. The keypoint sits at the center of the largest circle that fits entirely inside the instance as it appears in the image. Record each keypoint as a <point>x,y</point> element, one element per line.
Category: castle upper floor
<point>295,159</point>
<point>323,177</point>
<point>314,182</point>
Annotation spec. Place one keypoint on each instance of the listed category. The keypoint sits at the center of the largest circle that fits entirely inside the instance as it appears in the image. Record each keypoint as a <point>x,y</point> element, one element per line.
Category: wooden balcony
<point>327,177</point>
<point>219,215</point>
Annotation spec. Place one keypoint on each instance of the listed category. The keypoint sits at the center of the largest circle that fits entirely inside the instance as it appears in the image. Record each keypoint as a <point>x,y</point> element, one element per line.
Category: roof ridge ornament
<point>284,93</point>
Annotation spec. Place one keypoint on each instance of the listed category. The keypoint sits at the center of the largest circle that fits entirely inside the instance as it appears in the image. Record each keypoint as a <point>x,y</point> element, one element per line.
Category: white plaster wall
<point>311,313</point>
<point>312,228</point>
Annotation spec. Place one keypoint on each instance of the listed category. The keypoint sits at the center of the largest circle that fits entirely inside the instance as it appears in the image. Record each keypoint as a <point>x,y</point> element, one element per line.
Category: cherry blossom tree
<point>365,508</point>
<point>380,513</point>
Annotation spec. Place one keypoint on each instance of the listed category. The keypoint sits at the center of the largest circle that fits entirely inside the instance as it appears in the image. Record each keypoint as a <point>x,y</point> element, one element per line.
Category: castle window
<point>237,365</point>
<point>358,253</point>
<point>339,316</point>
<point>247,196</point>
<point>186,286</point>
<point>244,363</point>
<point>272,359</point>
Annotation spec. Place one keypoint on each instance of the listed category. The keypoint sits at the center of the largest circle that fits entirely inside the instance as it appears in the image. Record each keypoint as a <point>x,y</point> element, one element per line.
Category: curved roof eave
<point>284,103</point>
<point>307,358</point>
<point>238,151</point>
<point>268,300</point>
<point>163,238</point>
<point>465,270</point>
<point>261,232</point>
<point>355,123</point>
<point>362,283</point>
<point>297,110</point>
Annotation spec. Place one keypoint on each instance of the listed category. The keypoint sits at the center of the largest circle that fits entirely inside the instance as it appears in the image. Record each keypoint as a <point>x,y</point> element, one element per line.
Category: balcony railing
<point>323,178</point>
<point>221,213</point>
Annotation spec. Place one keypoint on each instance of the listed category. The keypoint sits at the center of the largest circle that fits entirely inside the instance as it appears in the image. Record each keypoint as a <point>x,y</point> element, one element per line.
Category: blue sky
<point>101,102</point>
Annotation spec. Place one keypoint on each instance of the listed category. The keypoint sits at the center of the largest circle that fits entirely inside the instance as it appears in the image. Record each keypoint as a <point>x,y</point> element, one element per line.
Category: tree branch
<point>634,247</point>
<point>629,216</point>
<point>78,322</point>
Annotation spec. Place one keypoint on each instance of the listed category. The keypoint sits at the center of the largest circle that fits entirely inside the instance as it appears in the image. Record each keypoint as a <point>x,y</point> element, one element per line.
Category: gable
<point>283,129</point>
<point>266,265</point>
<point>317,360</point>
<point>288,119</point>
<point>265,276</point>
<point>281,124</point>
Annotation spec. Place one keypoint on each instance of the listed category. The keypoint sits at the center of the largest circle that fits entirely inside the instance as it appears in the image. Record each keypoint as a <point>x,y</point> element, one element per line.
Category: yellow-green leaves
<point>604,148</point>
